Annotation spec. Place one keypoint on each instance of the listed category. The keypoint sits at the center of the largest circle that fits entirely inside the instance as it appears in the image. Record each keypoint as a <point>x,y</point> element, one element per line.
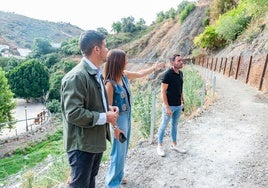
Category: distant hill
<point>18,31</point>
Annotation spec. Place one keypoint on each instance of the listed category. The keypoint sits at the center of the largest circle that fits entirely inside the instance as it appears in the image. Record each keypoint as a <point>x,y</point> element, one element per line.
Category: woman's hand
<point>117,131</point>
<point>158,66</point>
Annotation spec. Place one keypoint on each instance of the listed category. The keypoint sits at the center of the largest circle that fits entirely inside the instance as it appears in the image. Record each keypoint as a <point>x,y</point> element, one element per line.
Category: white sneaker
<point>160,151</point>
<point>175,148</point>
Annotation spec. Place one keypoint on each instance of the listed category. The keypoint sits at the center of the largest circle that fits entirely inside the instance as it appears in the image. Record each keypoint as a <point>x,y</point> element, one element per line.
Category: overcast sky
<point>89,14</point>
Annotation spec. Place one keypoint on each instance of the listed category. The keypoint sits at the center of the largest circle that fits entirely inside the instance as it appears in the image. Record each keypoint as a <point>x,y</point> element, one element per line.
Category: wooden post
<point>249,67</point>
<point>225,66</point>
<point>211,65</point>
<point>220,65</point>
<point>216,64</point>
<point>263,72</point>
<point>238,65</point>
<point>230,67</point>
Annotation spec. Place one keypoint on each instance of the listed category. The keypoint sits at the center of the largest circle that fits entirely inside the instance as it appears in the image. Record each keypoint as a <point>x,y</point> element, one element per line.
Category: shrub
<point>236,20</point>
<point>53,106</point>
<point>209,39</point>
<point>187,10</point>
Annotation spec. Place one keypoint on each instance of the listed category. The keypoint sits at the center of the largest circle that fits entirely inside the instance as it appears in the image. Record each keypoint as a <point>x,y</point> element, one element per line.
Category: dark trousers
<point>84,168</point>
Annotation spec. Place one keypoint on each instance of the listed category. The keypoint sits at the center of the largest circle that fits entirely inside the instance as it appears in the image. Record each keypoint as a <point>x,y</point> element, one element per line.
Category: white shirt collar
<point>98,70</point>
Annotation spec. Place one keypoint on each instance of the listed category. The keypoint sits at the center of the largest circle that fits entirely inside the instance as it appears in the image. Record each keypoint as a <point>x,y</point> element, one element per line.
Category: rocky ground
<point>227,146</point>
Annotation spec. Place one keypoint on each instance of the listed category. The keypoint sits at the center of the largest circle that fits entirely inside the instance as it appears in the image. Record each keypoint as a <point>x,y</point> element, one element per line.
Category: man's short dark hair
<point>174,56</point>
<point>89,39</point>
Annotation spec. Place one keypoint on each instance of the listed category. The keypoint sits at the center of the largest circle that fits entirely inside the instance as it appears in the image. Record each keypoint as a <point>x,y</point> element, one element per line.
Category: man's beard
<point>177,67</point>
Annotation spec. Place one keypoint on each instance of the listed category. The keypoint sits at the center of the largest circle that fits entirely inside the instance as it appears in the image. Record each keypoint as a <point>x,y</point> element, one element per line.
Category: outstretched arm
<point>138,74</point>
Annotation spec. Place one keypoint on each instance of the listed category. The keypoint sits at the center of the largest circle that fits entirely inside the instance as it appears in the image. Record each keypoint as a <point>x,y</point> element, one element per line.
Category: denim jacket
<point>122,95</point>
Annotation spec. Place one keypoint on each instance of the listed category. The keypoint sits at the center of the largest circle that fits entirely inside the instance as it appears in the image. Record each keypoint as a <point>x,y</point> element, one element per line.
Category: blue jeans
<point>176,112</point>
<point>118,153</point>
<point>84,168</point>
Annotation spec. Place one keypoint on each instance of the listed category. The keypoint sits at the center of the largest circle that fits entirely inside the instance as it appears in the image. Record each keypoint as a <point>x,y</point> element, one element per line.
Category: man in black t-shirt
<point>172,96</point>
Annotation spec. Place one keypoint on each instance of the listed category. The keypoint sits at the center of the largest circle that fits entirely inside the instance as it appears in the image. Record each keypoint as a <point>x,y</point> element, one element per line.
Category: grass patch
<point>25,158</point>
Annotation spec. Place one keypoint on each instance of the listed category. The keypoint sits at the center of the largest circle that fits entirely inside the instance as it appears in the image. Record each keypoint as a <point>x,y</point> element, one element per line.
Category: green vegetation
<point>25,158</point>
<point>41,47</point>
<point>142,107</point>
<point>209,39</point>
<point>236,19</point>
<point>186,11</point>
<point>236,16</point>
<point>192,89</point>
<point>29,80</point>
<point>9,63</point>
<point>6,100</point>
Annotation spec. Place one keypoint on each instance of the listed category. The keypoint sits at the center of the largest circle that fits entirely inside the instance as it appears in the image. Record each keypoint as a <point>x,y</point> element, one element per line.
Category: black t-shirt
<point>175,86</point>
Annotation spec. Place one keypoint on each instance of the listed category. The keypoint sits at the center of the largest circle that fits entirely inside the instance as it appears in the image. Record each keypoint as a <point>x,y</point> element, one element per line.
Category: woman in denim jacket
<point>118,90</point>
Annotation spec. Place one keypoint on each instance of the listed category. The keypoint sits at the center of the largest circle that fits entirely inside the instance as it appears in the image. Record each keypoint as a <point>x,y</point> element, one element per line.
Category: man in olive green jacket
<point>86,113</point>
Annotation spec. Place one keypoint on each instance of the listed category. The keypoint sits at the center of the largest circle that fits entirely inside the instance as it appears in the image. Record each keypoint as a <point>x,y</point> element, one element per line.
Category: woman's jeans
<point>118,153</point>
<point>176,112</point>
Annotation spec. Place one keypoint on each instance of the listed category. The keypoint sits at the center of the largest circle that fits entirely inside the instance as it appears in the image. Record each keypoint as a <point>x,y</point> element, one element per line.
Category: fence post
<point>211,65</point>
<point>225,66</point>
<point>152,117</point>
<point>230,67</point>
<point>203,95</point>
<point>238,65</point>
<point>216,64</point>
<point>249,66</point>
<point>263,72</point>
<point>220,64</point>
<point>214,85</point>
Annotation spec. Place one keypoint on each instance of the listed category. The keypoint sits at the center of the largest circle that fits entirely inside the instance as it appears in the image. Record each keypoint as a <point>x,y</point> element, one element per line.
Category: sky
<point>89,14</point>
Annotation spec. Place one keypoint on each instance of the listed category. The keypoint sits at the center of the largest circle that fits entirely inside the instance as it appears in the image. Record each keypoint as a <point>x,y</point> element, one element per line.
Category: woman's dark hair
<point>89,39</point>
<point>115,65</point>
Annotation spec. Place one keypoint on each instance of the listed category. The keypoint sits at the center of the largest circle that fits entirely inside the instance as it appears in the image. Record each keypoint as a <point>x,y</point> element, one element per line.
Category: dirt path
<point>227,146</point>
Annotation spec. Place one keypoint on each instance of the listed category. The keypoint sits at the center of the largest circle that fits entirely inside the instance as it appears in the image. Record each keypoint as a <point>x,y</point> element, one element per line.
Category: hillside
<point>172,37</point>
<point>18,31</point>
<point>169,37</point>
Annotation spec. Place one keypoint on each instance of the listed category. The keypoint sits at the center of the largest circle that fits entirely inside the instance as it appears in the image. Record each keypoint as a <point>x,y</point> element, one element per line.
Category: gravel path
<point>227,146</point>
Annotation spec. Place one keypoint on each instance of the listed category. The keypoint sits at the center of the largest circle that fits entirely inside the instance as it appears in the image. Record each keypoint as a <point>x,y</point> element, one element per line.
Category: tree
<point>41,47</point>
<point>160,17</point>
<point>70,47</point>
<point>102,30</point>
<point>128,24</point>
<point>29,80</point>
<point>7,103</point>
<point>117,27</point>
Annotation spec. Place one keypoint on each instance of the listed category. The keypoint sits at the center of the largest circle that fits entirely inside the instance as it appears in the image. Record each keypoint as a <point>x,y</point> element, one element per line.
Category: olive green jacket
<point>81,103</point>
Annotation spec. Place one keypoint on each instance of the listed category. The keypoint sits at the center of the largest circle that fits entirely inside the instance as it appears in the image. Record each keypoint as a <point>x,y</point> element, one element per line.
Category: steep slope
<point>169,37</point>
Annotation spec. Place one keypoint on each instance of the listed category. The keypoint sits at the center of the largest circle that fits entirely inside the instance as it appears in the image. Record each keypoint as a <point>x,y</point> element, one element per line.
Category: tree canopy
<point>29,80</point>
<point>7,103</point>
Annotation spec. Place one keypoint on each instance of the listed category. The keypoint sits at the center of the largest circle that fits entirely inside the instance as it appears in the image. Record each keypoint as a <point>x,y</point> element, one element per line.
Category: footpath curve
<point>227,146</point>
